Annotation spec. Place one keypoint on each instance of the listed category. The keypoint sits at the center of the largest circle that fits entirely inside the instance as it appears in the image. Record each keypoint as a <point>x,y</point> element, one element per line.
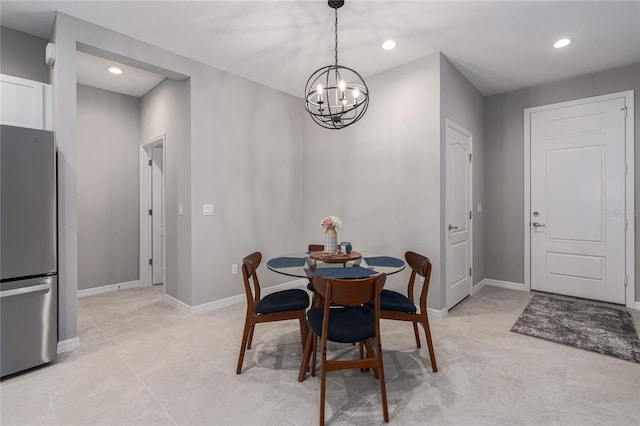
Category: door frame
<point>630,212</point>
<point>455,126</point>
<point>145,204</point>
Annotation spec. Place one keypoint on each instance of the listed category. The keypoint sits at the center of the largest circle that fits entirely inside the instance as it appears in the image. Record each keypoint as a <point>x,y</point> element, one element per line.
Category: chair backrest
<point>419,265</point>
<point>315,247</point>
<point>346,292</point>
<point>249,266</point>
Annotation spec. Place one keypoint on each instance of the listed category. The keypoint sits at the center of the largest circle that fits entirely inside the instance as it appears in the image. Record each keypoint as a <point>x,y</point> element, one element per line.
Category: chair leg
<point>243,346</point>
<point>303,328</point>
<point>432,353</point>
<point>306,354</point>
<point>362,370</point>
<point>415,331</point>
<point>253,326</point>
<point>315,351</point>
<point>383,386</point>
<point>370,354</point>
<point>323,389</point>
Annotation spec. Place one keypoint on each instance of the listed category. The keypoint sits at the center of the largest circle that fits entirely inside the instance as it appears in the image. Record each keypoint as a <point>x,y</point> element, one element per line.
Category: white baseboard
<point>637,306</point>
<point>108,288</point>
<point>437,313</point>
<point>504,284</point>
<point>68,345</point>
<point>479,286</point>
<point>228,301</point>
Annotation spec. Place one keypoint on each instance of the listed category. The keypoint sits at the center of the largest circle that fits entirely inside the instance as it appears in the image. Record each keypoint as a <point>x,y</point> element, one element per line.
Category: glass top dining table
<point>302,265</point>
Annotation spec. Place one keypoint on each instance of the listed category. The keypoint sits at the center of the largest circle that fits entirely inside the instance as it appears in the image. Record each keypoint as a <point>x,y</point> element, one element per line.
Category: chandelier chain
<point>336,50</point>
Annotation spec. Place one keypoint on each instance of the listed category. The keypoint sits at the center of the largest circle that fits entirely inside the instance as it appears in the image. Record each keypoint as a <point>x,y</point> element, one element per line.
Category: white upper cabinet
<point>25,103</point>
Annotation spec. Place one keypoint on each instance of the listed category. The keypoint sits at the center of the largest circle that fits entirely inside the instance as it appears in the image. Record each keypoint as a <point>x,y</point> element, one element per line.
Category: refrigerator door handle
<point>46,285</point>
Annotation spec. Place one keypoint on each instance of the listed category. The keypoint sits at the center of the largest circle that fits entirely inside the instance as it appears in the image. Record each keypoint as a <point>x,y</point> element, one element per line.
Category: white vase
<point>330,240</point>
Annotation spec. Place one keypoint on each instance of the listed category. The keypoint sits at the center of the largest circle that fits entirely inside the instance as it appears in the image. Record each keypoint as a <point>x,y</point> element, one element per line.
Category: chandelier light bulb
<point>336,96</point>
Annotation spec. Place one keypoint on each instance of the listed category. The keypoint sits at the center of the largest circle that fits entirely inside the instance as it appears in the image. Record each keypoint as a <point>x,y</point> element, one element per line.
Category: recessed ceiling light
<point>562,43</point>
<point>388,45</point>
<point>114,70</point>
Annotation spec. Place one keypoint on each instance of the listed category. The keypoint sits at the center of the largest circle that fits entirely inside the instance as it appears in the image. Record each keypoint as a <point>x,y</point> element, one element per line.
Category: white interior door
<point>578,200</point>
<point>157,219</point>
<point>458,213</point>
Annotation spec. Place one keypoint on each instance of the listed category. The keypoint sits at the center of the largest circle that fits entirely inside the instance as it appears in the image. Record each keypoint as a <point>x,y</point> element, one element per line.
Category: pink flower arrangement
<point>331,222</point>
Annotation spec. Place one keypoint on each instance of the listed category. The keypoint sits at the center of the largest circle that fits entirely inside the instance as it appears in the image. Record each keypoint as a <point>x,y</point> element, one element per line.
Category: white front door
<point>458,213</point>
<point>577,213</point>
<point>157,219</point>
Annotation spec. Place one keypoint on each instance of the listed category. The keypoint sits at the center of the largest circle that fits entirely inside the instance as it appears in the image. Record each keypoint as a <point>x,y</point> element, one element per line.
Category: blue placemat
<point>391,262</point>
<point>352,272</point>
<point>286,262</point>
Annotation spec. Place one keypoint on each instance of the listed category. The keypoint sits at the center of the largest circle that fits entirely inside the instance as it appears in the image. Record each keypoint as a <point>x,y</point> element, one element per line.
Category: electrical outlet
<point>207,210</point>
<point>234,269</point>
<point>180,210</point>
<point>479,208</point>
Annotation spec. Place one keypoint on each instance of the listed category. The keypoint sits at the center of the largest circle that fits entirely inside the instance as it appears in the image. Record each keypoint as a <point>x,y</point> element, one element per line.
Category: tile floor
<point>144,363</point>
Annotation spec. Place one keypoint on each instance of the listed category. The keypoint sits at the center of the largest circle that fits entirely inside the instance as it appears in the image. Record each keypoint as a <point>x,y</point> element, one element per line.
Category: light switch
<point>179,209</point>
<point>479,207</point>
<point>207,210</point>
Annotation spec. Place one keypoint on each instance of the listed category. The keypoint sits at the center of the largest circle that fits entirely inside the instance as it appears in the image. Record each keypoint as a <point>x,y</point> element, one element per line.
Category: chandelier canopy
<point>336,96</point>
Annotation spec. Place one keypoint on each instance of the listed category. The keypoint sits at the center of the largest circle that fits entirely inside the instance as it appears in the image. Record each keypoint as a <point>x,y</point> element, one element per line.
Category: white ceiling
<point>499,46</point>
<point>93,71</point>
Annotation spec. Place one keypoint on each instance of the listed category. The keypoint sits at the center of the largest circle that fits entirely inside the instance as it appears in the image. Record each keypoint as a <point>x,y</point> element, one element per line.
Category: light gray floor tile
<point>25,400</point>
<point>142,362</point>
<point>581,413</point>
<point>120,405</point>
<point>603,390</point>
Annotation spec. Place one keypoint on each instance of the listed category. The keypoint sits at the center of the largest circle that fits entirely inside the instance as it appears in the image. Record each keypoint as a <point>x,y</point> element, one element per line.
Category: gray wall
<point>22,55</point>
<point>381,176</point>
<point>461,102</point>
<point>504,162</point>
<point>245,149</point>
<point>108,135</point>
<point>165,109</point>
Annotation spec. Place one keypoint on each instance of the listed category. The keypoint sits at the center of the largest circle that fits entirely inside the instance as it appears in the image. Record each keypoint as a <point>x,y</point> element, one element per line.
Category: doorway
<point>152,211</point>
<point>579,208</point>
<point>458,213</point>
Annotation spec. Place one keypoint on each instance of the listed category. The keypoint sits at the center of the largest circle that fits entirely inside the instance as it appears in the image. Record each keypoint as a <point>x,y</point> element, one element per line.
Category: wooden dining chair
<point>312,267</point>
<point>343,318</point>
<point>397,306</point>
<point>279,306</point>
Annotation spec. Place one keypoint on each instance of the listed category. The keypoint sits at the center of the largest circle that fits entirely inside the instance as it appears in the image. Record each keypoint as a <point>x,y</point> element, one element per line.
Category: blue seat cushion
<point>280,301</point>
<point>346,325</point>
<point>393,301</point>
<point>310,286</point>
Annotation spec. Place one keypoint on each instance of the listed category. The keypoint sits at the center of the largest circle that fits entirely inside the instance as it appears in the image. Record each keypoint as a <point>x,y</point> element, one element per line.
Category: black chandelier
<point>336,96</point>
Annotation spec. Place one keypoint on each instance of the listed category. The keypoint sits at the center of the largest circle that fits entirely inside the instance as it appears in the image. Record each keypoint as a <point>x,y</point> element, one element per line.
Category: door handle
<point>538,225</point>
<point>46,285</point>
<point>451,227</point>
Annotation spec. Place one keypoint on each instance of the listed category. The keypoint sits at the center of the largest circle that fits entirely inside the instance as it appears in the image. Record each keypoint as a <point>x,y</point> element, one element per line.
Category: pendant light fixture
<point>336,96</point>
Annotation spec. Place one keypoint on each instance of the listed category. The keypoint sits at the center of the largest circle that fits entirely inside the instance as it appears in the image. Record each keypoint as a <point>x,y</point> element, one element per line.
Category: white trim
<point>505,284</point>
<point>630,294</point>
<point>68,345</point>
<point>479,286</point>
<point>437,313</point>
<point>108,288</point>
<point>455,126</point>
<point>637,306</point>
<point>229,301</point>
<point>144,184</point>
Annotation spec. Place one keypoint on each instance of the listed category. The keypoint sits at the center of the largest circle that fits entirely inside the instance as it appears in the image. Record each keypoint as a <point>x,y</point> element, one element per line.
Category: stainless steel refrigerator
<point>28,244</point>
